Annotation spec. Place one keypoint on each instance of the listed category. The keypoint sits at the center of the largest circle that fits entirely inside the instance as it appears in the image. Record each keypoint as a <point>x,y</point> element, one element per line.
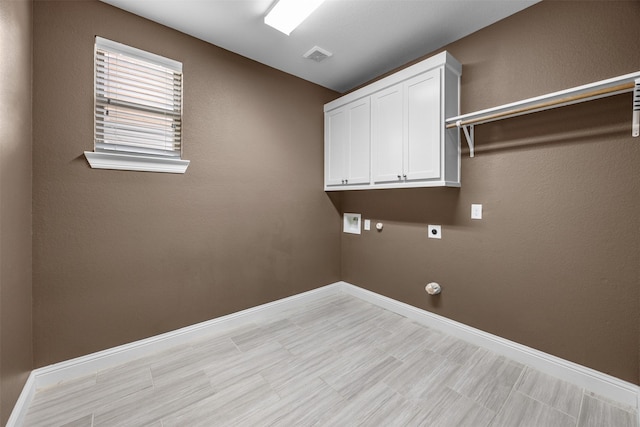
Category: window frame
<point>127,160</point>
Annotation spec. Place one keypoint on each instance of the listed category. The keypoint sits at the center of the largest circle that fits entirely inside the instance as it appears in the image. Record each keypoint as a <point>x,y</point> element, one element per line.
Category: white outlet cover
<point>351,223</point>
<point>476,211</point>
<point>367,224</point>
<point>435,232</point>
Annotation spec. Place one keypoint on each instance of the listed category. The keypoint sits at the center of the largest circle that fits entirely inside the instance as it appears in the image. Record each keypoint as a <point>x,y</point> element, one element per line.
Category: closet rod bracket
<point>635,126</point>
<point>468,133</point>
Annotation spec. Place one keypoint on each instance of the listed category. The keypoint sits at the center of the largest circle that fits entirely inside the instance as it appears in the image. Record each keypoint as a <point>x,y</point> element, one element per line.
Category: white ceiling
<point>366,37</point>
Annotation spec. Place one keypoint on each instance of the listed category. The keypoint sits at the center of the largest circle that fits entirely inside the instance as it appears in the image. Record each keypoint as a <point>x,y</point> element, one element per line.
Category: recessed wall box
<point>351,223</point>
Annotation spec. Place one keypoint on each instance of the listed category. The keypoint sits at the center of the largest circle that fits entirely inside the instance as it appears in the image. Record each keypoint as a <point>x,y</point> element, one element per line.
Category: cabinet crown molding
<point>443,58</point>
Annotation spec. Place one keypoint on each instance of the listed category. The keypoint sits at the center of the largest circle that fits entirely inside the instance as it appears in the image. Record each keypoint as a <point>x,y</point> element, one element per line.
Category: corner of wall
<point>16,304</point>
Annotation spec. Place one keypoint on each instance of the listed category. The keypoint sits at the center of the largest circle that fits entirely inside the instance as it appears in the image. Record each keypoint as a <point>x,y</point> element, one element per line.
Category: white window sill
<point>135,163</point>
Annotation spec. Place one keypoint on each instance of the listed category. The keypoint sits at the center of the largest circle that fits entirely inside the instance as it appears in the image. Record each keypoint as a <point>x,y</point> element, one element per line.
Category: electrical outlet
<point>476,211</point>
<point>435,232</point>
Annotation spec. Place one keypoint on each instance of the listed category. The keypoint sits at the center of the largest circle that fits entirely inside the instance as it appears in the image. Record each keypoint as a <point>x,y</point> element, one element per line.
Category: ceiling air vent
<point>318,54</point>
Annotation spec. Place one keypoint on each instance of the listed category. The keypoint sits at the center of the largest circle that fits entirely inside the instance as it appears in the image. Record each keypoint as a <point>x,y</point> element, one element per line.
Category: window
<point>138,110</point>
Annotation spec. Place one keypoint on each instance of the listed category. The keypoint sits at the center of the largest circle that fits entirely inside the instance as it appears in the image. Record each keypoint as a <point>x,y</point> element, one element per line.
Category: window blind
<point>138,101</point>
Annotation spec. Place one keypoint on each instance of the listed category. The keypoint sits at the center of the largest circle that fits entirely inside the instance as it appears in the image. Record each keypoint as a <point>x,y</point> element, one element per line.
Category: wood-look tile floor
<point>337,362</point>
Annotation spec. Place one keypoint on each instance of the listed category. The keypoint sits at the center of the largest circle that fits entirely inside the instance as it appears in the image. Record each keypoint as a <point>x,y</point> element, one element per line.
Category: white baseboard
<point>26,396</point>
<point>91,363</point>
<point>602,384</point>
<point>598,382</point>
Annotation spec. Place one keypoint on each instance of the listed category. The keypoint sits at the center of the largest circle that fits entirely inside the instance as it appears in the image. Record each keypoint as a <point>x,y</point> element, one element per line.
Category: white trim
<point>16,418</point>
<point>603,384</point>
<point>443,58</point>
<point>143,55</point>
<point>86,365</point>
<point>600,383</point>
<point>135,163</point>
<point>406,184</point>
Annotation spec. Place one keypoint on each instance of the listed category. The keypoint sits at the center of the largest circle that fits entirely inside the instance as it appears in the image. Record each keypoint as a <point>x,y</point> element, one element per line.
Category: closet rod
<point>544,105</point>
<point>613,86</point>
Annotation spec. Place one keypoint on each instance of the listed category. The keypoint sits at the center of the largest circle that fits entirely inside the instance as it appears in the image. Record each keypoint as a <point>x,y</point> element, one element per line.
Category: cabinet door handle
<point>404,176</point>
<point>399,177</point>
<point>346,181</point>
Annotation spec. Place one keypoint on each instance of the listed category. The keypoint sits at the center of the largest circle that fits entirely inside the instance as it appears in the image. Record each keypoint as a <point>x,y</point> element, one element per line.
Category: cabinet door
<point>348,144</point>
<point>387,134</point>
<point>359,149</point>
<point>336,133</point>
<point>422,156</point>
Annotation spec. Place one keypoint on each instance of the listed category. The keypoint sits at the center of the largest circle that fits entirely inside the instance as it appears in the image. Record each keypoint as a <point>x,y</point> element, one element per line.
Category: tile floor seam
<point>584,393</point>
<point>618,405</point>
<point>547,405</point>
<point>153,383</point>
<point>513,388</point>
<point>522,378</point>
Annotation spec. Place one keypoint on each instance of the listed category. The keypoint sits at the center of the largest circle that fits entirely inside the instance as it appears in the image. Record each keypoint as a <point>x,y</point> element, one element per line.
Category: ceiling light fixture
<point>286,15</point>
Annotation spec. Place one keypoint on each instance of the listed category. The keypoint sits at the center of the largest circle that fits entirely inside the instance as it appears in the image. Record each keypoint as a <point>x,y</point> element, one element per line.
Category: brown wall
<point>554,264</point>
<point>16,358</point>
<point>119,256</point>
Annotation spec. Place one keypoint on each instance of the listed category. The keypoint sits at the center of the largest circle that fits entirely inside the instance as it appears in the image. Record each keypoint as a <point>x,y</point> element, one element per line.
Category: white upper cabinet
<point>407,144</point>
<point>424,123</point>
<point>387,135</point>
<point>347,144</point>
<point>406,123</point>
